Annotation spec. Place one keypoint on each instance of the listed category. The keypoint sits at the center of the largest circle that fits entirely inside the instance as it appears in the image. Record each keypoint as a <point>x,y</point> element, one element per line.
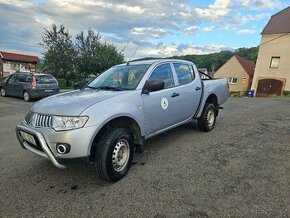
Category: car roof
<point>152,61</point>
<point>34,73</point>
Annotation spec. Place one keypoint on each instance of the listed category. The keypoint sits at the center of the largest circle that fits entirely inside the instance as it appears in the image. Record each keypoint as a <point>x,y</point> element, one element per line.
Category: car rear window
<point>45,79</point>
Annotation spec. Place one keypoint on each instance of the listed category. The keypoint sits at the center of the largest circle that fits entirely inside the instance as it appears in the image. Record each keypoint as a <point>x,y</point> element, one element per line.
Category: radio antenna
<point>132,56</point>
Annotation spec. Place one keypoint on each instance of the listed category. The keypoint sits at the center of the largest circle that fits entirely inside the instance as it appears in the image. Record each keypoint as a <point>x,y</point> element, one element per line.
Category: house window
<point>232,80</point>
<point>275,62</point>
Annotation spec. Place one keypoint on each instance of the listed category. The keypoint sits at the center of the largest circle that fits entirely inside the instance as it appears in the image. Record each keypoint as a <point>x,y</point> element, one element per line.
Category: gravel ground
<point>240,169</point>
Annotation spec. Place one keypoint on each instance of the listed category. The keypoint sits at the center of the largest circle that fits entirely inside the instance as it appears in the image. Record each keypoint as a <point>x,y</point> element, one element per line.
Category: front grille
<point>38,120</point>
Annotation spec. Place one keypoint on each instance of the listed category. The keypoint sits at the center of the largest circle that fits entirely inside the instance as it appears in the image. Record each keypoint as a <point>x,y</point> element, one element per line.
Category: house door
<point>269,87</point>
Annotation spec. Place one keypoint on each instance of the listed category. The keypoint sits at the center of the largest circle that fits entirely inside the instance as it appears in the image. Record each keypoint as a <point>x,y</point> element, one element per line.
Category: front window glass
<point>125,77</point>
<point>12,79</point>
<point>6,79</point>
<point>163,72</point>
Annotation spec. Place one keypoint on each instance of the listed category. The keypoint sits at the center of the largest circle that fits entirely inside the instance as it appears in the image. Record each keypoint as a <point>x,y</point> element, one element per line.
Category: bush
<point>286,93</point>
<point>238,94</point>
<point>62,83</point>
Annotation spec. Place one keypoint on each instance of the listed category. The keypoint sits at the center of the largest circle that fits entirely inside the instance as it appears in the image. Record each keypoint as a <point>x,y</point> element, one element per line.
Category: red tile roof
<point>18,57</point>
<point>279,23</point>
<point>249,66</point>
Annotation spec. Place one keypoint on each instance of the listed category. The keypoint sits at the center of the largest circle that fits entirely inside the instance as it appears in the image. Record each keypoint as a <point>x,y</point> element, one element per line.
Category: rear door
<point>160,108</point>
<point>189,89</point>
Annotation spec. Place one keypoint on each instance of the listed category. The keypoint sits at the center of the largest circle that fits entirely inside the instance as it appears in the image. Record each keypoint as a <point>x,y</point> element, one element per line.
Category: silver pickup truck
<point>110,118</point>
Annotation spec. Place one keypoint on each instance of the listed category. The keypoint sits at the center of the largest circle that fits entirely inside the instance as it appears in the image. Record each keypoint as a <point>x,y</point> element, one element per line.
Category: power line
<point>274,39</point>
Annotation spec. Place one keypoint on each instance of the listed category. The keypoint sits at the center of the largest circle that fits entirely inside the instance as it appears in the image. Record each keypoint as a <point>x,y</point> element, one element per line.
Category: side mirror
<point>152,86</point>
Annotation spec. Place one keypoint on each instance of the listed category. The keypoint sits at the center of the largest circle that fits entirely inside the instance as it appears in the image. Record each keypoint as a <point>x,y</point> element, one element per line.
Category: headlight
<point>68,123</point>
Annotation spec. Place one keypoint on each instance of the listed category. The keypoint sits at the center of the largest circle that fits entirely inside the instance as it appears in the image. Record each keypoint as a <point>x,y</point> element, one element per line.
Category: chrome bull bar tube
<point>46,151</point>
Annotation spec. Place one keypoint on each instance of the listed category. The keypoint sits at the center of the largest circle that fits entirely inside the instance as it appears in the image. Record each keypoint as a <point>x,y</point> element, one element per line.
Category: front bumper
<point>47,139</point>
<point>42,143</point>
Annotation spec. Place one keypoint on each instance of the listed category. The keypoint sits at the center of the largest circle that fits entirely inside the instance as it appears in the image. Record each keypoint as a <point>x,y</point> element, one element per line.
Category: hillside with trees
<point>214,61</point>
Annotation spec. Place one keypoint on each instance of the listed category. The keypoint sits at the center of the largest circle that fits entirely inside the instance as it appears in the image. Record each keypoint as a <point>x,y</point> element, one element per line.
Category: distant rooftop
<point>18,57</point>
<point>279,23</point>
<point>249,66</point>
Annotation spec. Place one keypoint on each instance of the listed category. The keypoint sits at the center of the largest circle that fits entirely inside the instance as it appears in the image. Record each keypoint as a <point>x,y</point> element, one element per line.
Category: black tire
<point>108,143</point>
<point>26,96</point>
<point>205,122</point>
<point>3,92</point>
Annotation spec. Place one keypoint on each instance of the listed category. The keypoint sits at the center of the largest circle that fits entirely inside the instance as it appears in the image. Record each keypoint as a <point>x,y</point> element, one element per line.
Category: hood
<point>72,103</point>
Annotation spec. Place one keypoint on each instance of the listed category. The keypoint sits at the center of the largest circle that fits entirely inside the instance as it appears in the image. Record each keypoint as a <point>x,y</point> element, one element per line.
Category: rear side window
<point>22,78</point>
<point>184,73</point>
<point>163,72</point>
<point>45,79</point>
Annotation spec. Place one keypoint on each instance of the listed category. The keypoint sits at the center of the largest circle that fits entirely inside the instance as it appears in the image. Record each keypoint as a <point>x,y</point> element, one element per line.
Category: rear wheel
<point>207,120</point>
<point>114,154</point>
<point>26,96</point>
<point>3,92</point>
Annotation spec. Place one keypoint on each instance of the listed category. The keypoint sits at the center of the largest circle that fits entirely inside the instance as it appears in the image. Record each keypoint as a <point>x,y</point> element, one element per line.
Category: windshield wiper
<point>114,88</point>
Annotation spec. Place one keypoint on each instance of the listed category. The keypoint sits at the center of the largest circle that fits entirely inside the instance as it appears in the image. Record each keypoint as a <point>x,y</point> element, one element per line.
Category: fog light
<point>63,148</point>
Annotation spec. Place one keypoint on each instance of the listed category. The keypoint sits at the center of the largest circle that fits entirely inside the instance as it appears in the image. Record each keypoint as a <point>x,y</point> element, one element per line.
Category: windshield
<point>125,77</point>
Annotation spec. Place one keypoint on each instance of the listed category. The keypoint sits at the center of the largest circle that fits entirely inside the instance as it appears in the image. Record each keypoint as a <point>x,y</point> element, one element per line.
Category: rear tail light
<point>33,82</point>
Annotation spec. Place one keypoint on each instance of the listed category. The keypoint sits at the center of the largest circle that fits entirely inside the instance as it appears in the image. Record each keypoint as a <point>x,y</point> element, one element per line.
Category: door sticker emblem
<point>164,103</point>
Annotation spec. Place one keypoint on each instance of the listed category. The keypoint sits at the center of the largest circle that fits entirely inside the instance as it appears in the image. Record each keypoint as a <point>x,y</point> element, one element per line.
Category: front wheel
<point>3,92</point>
<point>26,96</point>
<point>114,154</point>
<point>207,120</point>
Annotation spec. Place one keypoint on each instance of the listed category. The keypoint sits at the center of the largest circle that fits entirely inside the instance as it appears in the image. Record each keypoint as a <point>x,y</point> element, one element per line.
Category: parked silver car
<point>113,116</point>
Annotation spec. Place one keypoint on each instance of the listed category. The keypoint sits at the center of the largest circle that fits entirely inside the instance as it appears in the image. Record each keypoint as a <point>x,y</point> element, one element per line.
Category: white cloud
<point>165,50</point>
<point>259,4</point>
<point>129,23</point>
<point>208,28</point>
<point>152,32</point>
<point>246,31</point>
<point>217,10</point>
<point>190,30</point>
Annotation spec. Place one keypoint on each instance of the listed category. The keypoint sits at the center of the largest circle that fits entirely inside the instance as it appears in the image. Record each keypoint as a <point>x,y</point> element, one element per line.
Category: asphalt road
<point>240,169</point>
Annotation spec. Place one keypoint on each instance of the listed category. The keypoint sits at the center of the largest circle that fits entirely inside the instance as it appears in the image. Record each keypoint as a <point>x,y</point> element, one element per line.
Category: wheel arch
<point>119,121</point>
<point>212,98</point>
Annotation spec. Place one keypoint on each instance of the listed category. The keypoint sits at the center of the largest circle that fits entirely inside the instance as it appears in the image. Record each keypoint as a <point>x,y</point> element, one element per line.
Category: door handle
<point>174,95</point>
<point>198,88</point>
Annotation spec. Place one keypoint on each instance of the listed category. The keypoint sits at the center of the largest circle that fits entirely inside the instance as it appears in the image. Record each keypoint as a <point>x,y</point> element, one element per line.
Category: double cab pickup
<point>110,118</point>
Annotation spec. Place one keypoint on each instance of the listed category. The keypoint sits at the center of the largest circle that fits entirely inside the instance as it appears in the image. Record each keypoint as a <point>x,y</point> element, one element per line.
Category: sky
<point>152,28</point>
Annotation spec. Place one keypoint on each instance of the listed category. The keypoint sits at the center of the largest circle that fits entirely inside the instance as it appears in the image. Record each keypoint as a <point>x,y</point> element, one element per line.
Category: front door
<point>10,85</point>
<point>161,107</point>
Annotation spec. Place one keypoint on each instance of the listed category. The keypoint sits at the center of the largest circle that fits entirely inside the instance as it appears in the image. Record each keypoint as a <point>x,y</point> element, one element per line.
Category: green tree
<point>87,47</point>
<point>60,53</point>
<point>95,56</point>
<point>248,53</point>
<point>108,56</point>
